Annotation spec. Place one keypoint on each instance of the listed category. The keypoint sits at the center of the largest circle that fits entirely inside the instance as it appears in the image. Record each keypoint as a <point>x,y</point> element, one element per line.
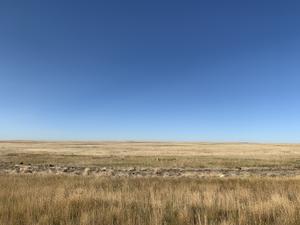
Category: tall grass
<point>54,200</point>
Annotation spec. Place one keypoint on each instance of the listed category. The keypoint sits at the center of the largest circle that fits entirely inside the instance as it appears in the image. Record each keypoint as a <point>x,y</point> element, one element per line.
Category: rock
<point>158,171</point>
<point>103,169</point>
<point>86,172</point>
<point>130,169</point>
<point>26,169</point>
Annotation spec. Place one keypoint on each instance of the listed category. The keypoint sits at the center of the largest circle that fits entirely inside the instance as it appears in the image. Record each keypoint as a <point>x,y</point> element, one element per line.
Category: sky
<point>150,70</point>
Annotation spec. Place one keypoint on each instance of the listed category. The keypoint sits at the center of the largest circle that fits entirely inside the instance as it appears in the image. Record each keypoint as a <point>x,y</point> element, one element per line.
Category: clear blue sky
<point>150,70</point>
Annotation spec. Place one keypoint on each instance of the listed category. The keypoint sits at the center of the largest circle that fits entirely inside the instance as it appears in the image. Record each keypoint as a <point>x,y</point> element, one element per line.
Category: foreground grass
<point>141,201</point>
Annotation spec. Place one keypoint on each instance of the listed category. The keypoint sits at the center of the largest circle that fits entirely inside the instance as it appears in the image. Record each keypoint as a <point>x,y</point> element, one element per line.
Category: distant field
<point>151,154</point>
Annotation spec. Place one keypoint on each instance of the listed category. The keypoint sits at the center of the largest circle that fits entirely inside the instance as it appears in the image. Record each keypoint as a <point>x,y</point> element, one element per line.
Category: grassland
<point>151,154</point>
<point>53,200</point>
<point>61,199</point>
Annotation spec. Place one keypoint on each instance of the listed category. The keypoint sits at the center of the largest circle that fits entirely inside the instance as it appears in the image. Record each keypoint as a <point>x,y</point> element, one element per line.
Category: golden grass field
<point>63,199</point>
<point>163,154</point>
<point>51,200</point>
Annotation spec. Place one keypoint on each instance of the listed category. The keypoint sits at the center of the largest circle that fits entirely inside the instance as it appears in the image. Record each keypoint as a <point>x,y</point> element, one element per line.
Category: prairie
<point>151,154</point>
<point>149,183</point>
<point>49,200</point>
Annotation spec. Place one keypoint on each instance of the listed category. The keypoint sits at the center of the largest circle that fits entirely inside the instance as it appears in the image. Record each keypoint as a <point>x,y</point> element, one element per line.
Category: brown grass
<point>47,200</point>
<point>79,200</point>
<point>151,154</point>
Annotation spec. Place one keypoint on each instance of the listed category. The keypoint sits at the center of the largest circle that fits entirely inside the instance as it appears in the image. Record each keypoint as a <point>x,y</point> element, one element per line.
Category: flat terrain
<point>150,158</point>
<point>149,183</point>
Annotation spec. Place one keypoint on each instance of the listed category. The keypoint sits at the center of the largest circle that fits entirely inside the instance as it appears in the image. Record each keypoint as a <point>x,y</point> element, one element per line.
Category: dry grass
<point>140,201</point>
<point>70,200</point>
<point>151,154</point>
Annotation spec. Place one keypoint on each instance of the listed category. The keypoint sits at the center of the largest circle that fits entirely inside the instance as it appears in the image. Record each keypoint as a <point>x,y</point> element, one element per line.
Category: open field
<point>149,183</point>
<point>70,200</point>
<point>123,154</point>
<point>151,158</point>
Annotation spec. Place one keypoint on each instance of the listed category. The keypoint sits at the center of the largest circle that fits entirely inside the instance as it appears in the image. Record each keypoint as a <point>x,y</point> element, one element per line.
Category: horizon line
<point>148,141</point>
